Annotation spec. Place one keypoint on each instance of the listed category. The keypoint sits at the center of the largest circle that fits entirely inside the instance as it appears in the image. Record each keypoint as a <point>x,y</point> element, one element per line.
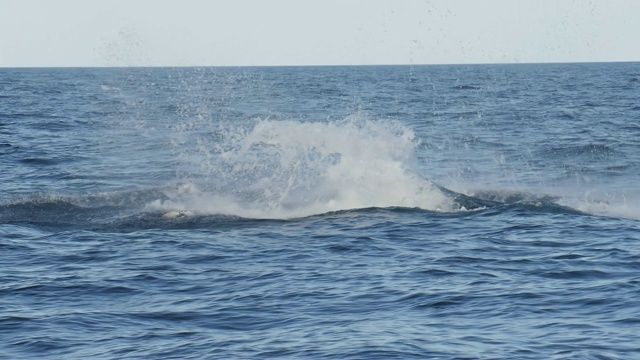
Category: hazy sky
<point>305,32</point>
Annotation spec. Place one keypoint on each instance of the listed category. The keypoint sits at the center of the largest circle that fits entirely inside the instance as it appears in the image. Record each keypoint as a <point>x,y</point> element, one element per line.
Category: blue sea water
<point>428,212</point>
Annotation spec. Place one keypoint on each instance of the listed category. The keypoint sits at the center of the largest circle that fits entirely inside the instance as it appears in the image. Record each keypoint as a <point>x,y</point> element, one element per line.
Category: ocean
<point>357,212</point>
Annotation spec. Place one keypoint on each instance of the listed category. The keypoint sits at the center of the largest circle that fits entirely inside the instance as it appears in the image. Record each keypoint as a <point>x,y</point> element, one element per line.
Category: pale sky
<point>319,32</point>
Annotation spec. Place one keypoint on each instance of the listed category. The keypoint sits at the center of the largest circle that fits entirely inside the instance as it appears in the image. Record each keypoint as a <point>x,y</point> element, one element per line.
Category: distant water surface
<point>446,212</point>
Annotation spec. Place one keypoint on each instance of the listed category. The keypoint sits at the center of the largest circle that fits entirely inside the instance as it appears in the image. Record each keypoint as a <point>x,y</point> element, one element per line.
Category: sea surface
<point>368,212</point>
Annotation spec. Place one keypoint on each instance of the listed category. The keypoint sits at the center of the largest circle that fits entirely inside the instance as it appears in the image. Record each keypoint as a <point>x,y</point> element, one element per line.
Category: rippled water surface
<point>447,212</point>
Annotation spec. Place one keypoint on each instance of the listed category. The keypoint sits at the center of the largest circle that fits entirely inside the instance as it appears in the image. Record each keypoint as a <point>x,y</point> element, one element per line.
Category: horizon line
<point>316,65</point>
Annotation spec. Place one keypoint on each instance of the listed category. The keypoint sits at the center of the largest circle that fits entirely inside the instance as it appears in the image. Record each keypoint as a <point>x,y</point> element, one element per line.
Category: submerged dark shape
<point>129,211</point>
<point>463,201</point>
<point>510,197</point>
<point>507,200</point>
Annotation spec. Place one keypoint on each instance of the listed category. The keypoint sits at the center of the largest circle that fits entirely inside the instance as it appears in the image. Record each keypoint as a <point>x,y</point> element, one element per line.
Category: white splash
<point>287,169</point>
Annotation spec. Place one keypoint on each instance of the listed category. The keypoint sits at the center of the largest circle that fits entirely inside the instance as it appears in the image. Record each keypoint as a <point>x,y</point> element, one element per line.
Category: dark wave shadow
<point>127,211</point>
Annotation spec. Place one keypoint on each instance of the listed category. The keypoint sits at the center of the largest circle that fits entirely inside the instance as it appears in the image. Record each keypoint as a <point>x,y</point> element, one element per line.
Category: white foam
<point>624,203</point>
<point>288,169</point>
<point>177,214</point>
